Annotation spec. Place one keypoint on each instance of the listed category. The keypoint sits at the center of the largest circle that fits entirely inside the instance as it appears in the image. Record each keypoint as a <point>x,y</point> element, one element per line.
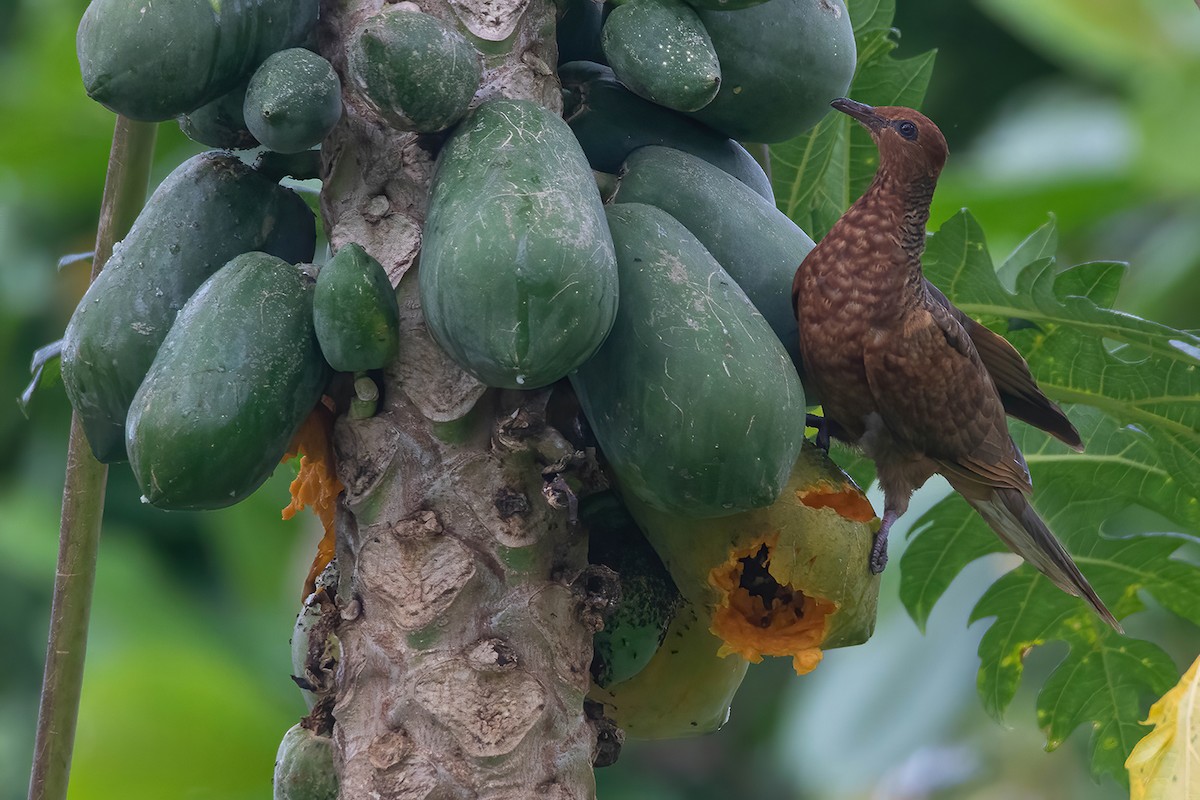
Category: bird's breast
<point>850,290</point>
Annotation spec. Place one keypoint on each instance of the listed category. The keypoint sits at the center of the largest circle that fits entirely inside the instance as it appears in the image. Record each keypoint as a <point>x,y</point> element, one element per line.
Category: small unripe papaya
<point>304,768</point>
<point>415,70</point>
<point>660,50</point>
<point>355,312</point>
<point>649,599</point>
<point>220,123</point>
<point>782,62</point>
<point>293,101</point>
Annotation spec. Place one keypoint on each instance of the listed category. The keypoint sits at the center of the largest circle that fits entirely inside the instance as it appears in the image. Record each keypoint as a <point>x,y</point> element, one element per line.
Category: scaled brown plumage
<point>918,385</point>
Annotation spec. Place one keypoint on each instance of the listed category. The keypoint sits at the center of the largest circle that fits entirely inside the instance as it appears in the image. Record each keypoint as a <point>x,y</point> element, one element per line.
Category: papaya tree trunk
<point>464,629</point>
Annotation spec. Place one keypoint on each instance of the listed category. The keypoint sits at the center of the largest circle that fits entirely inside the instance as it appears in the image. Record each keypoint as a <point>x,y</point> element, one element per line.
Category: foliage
<point>1142,447</point>
<point>1111,154</point>
<point>1141,382</point>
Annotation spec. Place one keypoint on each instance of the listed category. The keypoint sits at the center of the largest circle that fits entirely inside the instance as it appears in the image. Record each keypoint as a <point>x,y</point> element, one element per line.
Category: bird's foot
<point>879,555</point>
<point>822,425</point>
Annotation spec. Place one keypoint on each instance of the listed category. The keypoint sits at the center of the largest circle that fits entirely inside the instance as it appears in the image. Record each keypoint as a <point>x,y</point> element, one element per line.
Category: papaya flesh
<point>791,579</point>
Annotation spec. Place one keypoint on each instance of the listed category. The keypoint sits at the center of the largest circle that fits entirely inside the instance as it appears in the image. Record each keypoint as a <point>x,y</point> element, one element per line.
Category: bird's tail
<point>1019,526</point>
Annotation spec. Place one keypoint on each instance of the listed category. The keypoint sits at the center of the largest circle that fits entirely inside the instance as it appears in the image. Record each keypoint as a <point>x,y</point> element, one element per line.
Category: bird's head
<point>910,145</point>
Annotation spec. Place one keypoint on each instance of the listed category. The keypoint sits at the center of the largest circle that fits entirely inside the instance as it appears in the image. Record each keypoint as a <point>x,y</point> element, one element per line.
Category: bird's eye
<point>906,129</point>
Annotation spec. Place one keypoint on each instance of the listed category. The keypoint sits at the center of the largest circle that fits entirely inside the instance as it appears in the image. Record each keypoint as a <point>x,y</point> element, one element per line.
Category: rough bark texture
<point>464,631</point>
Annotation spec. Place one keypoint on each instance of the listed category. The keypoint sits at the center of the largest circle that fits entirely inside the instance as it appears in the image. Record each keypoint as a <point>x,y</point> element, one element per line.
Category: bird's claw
<point>822,426</point>
<point>879,555</point>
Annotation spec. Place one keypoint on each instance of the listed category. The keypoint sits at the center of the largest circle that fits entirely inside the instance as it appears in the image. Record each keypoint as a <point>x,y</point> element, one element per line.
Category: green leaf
<point>817,174</point>
<point>871,15</point>
<point>1138,414</point>
<point>1042,243</point>
<point>957,261</point>
<point>1118,39</point>
<point>944,540</point>
<point>1103,680</point>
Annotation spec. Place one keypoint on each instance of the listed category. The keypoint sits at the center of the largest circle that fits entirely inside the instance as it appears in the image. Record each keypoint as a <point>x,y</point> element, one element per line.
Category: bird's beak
<point>860,111</point>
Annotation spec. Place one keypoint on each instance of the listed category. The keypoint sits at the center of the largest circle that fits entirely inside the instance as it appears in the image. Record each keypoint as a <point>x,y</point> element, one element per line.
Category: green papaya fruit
<point>518,279</point>
<point>685,690</point>
<point>220,123</point>
<point>235,377</point>
<point>782,63</point>
<point>418,72</point>
<point>156,60</point>
<point>724,5</point>
<point>660,50</point>
<point>304,768</point>
<point>578,31</point>
<point>610,122</point>
<point>293,100</point>
<point>693,400</point>
<point>790,579</point>
<point>649,599</point>
<point>315,647</point>
<point>355,313</point>
<point>753,240</point>
<point>787,580</point>
<point>210,209</point>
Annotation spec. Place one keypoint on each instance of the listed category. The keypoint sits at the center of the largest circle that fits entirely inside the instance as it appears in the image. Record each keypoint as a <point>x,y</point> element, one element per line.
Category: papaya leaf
<point>868,16</point>
<point>957,261</point>
<point>817,175</point>
<point>1103,681</point>
<point>1042,243</point>
<point>1137,394</point>
<point>1153,382</point>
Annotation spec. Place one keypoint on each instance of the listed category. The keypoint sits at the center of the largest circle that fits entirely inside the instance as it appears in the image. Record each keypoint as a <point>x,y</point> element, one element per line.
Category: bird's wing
<point>1019,392</point>
<point>934,396</point>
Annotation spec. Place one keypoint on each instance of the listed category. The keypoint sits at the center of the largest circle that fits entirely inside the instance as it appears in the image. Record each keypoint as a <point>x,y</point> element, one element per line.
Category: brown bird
<point>915,383</point>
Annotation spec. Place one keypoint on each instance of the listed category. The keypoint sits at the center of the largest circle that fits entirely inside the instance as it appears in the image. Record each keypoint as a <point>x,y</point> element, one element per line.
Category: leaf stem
<point>83,500</point>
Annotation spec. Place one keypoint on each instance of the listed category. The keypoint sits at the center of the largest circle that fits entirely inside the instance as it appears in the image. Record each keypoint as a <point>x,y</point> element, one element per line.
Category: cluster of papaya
<point>663,306</point>
<point>733,539</point>
<point>209,337</point>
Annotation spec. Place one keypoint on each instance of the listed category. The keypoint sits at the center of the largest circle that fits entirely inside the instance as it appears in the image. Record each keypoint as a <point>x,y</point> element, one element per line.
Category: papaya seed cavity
<point>759,614</point>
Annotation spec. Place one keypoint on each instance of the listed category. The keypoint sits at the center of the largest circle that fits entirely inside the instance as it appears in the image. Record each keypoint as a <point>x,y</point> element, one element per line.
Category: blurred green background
<point>1084,109</point>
